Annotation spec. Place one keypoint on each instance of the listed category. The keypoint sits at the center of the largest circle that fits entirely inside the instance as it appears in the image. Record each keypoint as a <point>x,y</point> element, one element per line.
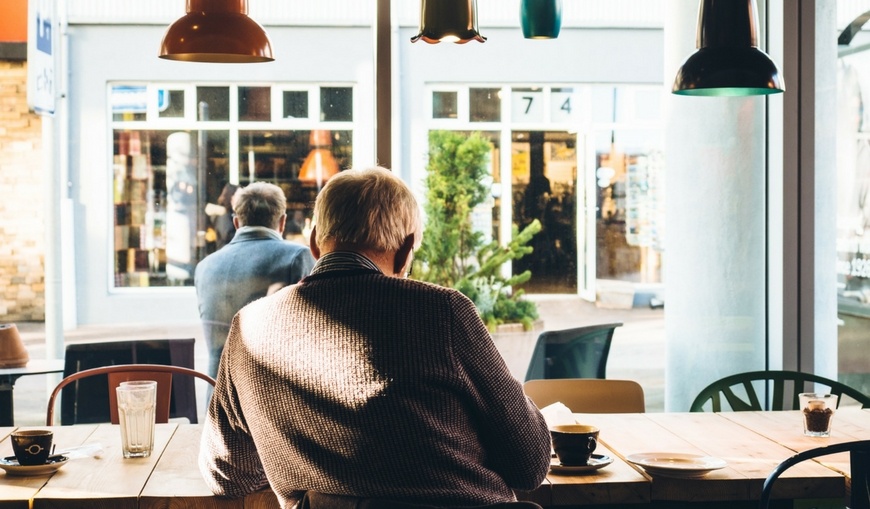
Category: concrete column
<point>715,318</point>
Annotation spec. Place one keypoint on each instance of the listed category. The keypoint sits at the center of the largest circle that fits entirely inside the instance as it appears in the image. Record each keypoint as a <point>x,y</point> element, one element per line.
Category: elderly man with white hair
<point>359,383</point>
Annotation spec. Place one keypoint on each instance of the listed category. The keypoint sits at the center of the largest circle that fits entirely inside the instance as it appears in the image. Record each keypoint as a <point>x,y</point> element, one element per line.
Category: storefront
<point>153,145</point>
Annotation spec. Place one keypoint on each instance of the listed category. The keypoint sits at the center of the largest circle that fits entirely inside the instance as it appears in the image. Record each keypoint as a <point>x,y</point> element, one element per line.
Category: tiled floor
<point>637,353</point>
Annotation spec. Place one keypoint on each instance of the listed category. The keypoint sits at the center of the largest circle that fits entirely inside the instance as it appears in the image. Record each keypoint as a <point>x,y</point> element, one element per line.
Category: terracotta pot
<point>517,345</point>
<point>12,351</point>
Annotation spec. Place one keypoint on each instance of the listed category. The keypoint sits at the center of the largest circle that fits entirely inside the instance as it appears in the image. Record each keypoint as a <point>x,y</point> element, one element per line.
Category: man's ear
<point>312,243</point>
<point>282,223</point>
<point>236,222</point>
<point>403,255</point>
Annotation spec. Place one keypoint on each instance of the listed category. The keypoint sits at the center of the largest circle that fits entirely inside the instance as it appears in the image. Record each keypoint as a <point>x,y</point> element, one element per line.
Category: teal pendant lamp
<point>449,21</point>
<point>728,62</point>
<point>541,19</point>
<point>216,31</point>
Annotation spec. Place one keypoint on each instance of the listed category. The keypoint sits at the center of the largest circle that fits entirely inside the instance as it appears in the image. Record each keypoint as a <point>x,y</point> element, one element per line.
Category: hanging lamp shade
<point>728,61</point>
<point>541,19</point>
<point>320,165</point>
<point>448,20</point>
<point>217,31</point>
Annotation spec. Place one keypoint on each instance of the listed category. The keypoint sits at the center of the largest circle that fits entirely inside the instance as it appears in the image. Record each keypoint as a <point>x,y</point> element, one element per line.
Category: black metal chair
<point>87,400</point>
<point>741,391</point>
<point>572,353</point>
<point>859,459</point>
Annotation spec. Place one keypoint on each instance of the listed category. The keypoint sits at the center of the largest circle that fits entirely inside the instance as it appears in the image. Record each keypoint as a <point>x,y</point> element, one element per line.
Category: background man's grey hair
<point>260,204</point>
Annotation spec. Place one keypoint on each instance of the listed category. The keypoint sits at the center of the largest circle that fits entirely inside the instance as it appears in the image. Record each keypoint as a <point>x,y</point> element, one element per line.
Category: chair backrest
<point>116,374</point>
<point>572,353</point>
<point>87,400</point>
<point>588,395</point>
<point>859,459</point>
<point>745,391</point>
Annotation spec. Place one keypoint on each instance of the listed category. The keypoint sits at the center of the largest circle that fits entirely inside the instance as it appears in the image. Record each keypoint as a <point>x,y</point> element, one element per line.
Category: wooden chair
<point>126,372</point>
<point>741,391</point>
<point>859,459</point>
<point>580,352</point>
<point>588,395</point>
<point>86,401</point>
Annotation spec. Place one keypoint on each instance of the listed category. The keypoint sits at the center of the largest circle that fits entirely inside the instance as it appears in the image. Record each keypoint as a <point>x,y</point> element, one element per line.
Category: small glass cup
<point>818,412</point>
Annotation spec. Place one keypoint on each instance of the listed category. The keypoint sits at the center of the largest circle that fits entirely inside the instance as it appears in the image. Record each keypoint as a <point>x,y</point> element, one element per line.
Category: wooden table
<point>752,443</point>
<point>168,478</point>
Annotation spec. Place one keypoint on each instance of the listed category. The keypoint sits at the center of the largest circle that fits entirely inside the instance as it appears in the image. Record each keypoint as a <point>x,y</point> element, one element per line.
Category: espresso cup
<point>574,443</point>
<point>32,447</point>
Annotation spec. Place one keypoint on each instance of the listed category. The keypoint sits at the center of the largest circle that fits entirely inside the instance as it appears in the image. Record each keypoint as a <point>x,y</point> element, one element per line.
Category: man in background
<point>256,262</point>
<point>359,382</point>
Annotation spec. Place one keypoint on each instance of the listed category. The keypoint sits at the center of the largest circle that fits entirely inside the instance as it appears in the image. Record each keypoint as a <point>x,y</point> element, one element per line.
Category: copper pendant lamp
<point>320,165</point>
<point>728,61</point>
<point>541,19</point>
<point>216,31</point>
<point>449,21</point>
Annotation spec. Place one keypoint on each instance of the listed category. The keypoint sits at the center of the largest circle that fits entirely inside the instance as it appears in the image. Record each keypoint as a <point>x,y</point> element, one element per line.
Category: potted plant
<point>453,254</point>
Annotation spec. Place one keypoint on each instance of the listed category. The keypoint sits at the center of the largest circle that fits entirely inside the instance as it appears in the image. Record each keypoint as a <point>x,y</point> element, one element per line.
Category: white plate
<point>595,462</point>
<point>676,464</point>
<point>13,468</point>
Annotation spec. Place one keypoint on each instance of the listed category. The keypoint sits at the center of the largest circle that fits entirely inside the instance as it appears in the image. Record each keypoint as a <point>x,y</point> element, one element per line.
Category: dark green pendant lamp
<point>728,62</point>
<point>449,21</point>
<point>541,19</point>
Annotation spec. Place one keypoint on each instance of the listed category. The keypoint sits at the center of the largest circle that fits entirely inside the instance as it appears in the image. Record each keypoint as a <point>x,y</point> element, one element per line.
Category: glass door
<point>544,184</point>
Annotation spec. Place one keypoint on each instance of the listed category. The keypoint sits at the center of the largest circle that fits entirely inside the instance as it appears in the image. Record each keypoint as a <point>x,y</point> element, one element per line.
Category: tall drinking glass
<point>136,406</point>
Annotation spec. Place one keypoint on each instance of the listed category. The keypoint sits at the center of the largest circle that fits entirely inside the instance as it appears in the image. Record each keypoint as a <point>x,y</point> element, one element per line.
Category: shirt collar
<point>343,260</point>
<point>260,230</point>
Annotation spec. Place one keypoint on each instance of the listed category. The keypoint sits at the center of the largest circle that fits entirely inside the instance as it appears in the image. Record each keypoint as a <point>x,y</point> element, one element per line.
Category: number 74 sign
<point>529,106</point>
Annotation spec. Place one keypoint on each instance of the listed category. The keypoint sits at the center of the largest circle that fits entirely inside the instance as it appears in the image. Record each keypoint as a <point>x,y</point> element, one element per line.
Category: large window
<point>586,161</point>
<point>179,151</point>
<point>853,221</point>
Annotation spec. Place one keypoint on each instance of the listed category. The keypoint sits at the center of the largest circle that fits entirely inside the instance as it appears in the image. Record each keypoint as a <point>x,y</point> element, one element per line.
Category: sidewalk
<point>637,352</point>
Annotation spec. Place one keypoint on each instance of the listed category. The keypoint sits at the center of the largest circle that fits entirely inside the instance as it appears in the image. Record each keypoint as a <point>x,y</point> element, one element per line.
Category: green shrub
<point>452,253</point>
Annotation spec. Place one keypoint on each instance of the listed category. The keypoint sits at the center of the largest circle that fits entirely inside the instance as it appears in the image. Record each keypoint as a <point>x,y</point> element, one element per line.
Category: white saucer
<point>671,464</point>
<point>595,462</point>
<point>13,468</point>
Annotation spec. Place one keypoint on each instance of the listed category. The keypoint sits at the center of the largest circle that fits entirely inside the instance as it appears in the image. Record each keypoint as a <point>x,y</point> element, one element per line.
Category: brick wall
<point>22,210</point>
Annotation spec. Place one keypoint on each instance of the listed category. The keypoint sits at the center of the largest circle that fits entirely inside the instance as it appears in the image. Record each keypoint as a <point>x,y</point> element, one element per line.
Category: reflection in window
<point>161,185</point>
<point>212,103</point>
<point>255,104</point>
<point>629,174</point>
<point>129,103</point>
<point>544,183</point>
<point>278,157</point>
<point>445,104</point>
<point>485,104</point>
<point>170,103</point>
<point>336,104</point>
<point>295,104</point>
<point>167,183</point>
